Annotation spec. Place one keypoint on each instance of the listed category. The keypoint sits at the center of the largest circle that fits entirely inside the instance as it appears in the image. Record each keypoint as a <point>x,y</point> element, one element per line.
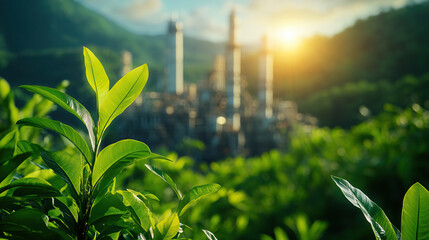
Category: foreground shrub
<point>415,212</point>
<point>72,194</point>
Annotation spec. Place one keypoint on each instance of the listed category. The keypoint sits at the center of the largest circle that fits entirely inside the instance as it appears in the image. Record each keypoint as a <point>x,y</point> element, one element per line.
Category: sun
<point>288,38</point>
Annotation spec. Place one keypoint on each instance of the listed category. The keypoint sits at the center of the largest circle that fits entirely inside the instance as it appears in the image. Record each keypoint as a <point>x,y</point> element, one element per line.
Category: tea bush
<point>71,193</point>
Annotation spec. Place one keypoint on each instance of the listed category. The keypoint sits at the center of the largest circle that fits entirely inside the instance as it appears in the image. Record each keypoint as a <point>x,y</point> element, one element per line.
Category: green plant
<point>72,194</point>
<point>302,228</point>
<point>415,212</point>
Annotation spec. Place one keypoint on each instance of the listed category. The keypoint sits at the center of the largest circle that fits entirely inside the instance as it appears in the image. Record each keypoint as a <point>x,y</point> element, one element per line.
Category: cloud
<point>209,19</point>
<point>198,24</point>
<point>310,17</point>
<point>140,9</point>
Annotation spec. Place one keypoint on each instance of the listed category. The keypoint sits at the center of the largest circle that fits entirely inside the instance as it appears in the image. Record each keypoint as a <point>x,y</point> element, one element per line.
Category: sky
<point>283,20</point>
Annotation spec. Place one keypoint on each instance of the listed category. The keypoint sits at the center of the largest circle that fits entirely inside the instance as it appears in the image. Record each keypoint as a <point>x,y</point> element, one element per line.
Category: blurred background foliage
<point>378,60</point>
<point>383,155</point>
<point>367,85</point>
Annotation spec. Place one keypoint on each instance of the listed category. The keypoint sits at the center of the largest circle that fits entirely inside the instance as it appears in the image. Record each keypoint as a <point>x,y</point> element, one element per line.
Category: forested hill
<point>364,65</point>
<point>55,28</point>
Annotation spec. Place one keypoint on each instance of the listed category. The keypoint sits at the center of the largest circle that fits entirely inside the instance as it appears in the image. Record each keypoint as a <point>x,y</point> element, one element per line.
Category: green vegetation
<point>385,155</point>
<point>47,43</point>
<point>71,193</point>
<point>364,65</point>
<point>415,212</point>
<point>58,182</point>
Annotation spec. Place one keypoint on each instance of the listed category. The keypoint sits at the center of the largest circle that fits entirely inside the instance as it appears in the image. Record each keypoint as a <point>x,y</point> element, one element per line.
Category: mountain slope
<point>331,77</point>
<point>32,26</point>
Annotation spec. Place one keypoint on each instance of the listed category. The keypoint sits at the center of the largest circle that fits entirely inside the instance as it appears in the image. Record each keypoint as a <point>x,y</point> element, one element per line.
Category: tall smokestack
<point>175,58</point>
<point>233,74</point>
<point>265,90</point>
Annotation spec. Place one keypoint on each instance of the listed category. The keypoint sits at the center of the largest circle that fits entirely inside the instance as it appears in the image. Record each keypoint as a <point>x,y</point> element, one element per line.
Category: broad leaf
<point>8,167</point>
<point>280,234</point>
<point>125,91</point>
<point>37,185</point>
<point>166,179</point>
<point>415,213</point>
<point>110,204</point>
<point>154,156</point>
<point>29,218</point>
<point>130,149</point>
<point>195,194</point>
<point>380,224</point>
<point>7,146</point>
<point>4,89</point>
<point>107,178</point>
<point>96,75</point>
<point>139,211</point>
<point>66,166</point>
<point>169,227</point>
<point>62,129</point>
<point>69,104</point>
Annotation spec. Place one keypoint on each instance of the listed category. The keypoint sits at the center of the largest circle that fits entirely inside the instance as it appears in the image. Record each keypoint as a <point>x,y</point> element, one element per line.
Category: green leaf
<point>169,227</point>
<point>415,213</point>
<point>65,166</point>
<point>107,178</point>
<point>139,211</point>
<point>8,167</point>
<point>380,224</point>
<point>154,156</point>
<point>37,185</point>
<point>195,194</point>
<point>125,91</point>
<point>7,146</point>
<point>69,104</point>
<point>166,179</point>
<point>108,205</point>
<point>280,234</point>
<point>96,75</point>
<point>11,203</point>
<point>4,89</point>
<point>62,129</point>
<point>29,218</point>
<point>125,149</point>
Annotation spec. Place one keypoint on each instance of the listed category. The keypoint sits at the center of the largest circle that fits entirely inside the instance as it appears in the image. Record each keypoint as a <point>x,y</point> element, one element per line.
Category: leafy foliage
<point>71,193</point>
<point>259,193</point>
<point>415,212</point>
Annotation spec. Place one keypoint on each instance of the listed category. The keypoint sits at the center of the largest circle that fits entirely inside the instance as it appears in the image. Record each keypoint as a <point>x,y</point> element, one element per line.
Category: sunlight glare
<point>288,38</point>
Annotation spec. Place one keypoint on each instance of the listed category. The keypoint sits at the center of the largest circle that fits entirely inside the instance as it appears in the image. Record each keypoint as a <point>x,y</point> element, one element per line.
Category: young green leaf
<point>36,184</point>
<point>166,179</point>
<point>30,218</point>
<point>125,91</point>
<point>8,167</point>
<point>105,182</point>
<point>69,104</point>
<point>62,129</point>
<point>280,234</point>
<point>169,227</point>
<point>4,89</point>
<point>7,146</point>
<point>195,194</point>
<point>131,149</point>
<point>154,156</point>
<point>110,204</point>
<point>380,224</point>
<point>96,75</point>
<point>65,166</point>
<point>139,211</point>
<point>415,213</point>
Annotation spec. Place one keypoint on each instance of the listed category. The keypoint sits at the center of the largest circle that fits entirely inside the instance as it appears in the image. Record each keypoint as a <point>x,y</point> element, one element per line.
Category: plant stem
<point>87,201</point>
